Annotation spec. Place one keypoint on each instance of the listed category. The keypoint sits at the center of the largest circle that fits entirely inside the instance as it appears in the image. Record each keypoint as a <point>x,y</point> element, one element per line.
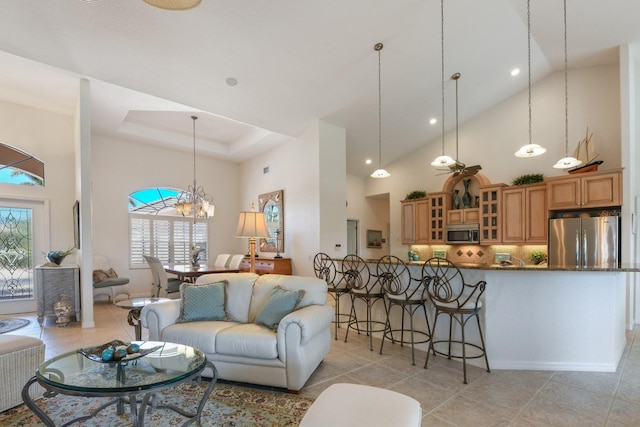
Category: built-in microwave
<point>462,234</point>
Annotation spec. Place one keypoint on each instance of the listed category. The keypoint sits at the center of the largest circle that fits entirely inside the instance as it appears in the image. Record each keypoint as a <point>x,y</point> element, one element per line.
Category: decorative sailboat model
<point>586,152</point>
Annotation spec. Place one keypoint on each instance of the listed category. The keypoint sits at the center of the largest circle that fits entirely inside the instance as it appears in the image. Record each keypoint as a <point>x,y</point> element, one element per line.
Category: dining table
<point>189,273</point>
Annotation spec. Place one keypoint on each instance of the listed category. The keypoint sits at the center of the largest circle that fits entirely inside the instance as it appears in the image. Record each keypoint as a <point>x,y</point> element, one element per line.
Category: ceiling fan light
<point>380,173</point>
<point>173,4</point>
<point>567,162</point>
<point>530,150</point>
<point>443,161</point>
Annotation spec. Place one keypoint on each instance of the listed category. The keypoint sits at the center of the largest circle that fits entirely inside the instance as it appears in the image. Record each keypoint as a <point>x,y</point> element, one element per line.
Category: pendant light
<point>173,4</point>
<point>442,161</point>
<point>529,150</point>
<point>379,173</point>
<point>195,201</point>
<point>567,161</point>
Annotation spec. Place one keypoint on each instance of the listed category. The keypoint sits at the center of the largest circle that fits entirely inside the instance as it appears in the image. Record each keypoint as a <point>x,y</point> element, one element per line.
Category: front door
<point>20,222</point>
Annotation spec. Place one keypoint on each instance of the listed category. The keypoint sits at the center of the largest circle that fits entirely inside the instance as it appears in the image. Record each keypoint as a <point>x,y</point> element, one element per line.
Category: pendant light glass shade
<point>379,173</point>
<point>529,150</point>
<point>442,161</point>
<point>173,4</point>
<point>567,161</point>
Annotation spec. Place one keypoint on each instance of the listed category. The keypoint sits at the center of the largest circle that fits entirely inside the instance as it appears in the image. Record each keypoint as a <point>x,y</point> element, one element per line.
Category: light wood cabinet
<point>524,214</point>
<point>463,216</point>
<point>415,221</point>
<point>589,190</point>
<point>439,204</point>
<point>268,265</point>
<point>491,214</point>
<point>408,222</point>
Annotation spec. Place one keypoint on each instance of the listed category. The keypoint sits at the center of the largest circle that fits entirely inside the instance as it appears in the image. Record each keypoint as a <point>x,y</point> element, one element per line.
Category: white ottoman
<point>355,405</point>
<point>19,358</point>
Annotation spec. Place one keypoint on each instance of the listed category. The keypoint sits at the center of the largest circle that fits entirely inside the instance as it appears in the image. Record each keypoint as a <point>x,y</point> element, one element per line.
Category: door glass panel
<point>16,253</point>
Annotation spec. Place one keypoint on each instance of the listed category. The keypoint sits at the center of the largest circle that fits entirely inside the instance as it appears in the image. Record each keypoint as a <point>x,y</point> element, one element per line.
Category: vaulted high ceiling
<point>294,61</point>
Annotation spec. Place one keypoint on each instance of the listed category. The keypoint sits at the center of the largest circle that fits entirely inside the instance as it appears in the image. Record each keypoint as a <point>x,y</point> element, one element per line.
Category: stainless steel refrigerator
<point>584,242</point>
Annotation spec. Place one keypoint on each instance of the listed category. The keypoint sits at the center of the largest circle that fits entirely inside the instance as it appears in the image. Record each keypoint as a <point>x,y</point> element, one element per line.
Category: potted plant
<point>538,257</point>
<point>418,194</point>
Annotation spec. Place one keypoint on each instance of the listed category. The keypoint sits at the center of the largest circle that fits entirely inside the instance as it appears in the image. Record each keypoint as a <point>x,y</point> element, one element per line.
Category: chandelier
<point>195,201</point>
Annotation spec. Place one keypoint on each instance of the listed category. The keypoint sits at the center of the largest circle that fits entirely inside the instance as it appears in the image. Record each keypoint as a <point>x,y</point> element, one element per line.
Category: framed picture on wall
<point>374,239</point>
<point>76,224</point>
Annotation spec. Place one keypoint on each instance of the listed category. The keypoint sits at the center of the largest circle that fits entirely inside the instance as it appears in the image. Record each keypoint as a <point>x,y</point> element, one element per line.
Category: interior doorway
<point>353,244</point>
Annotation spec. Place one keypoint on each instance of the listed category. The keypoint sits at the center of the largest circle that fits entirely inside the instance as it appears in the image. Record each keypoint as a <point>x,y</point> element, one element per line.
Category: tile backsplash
<point>475,254</point>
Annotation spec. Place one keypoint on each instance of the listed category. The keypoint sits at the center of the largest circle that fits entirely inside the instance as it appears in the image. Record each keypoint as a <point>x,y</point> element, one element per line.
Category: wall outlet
<point>502,257</point>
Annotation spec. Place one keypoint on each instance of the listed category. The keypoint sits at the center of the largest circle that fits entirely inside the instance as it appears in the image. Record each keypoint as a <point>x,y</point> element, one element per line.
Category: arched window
<point>19,167</point>
<point>156,229</point>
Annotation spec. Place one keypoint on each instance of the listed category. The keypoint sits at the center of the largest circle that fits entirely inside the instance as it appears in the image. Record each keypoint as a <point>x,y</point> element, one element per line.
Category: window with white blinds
<point>167,238</point>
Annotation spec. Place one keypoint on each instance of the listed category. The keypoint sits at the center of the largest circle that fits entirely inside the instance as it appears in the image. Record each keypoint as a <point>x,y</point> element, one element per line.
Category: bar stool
<point>325,269</point>
<point>450,295</point>
<point>357,276</point>
<point>401,290</point>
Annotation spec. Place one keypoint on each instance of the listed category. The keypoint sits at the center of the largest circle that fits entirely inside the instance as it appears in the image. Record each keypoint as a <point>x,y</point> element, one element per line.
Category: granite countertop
<point>540,267</point>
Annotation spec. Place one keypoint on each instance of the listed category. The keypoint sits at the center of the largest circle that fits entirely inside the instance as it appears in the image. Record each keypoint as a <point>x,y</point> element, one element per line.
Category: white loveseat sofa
<point>247,352</point>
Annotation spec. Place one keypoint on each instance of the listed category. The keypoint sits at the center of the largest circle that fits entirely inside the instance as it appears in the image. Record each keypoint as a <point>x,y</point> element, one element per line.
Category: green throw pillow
<point>203,302</point>
<point>280,303</point>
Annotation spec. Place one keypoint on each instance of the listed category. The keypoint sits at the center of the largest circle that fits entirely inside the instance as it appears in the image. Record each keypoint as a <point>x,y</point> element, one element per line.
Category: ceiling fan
<point>459,168</point>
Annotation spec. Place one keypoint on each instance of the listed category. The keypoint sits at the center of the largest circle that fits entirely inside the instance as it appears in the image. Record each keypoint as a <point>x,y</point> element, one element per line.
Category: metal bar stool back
<point>401,290</point>
<point>357,276</point>
<point>452,296</point>
<point>325,269</point>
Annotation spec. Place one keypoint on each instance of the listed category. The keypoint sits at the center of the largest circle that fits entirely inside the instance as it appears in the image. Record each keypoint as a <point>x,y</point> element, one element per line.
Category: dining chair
<point>325,269</point>
<point>162,285</point>
<point>235,262</point>
<point>451,296</point>
<point>401,290</point>
<point>357,276</point>
<point>221,260</point>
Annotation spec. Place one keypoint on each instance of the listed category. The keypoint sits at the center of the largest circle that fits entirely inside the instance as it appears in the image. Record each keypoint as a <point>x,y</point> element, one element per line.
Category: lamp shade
<point>380,173</point>
<point>173,4</point>
<point>530,150</point>
<point>251,224</point>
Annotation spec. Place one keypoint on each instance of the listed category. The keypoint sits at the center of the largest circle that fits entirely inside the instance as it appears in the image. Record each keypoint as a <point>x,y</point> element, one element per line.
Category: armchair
<point>106,282</point>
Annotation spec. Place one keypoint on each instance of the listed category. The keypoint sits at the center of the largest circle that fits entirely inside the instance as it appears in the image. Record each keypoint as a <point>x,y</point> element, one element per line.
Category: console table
<point>53,281</point>
<point>268,265</point>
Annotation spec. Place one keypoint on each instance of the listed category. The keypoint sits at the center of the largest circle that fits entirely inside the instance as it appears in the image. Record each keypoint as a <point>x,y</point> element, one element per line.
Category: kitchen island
<point>546,317</point>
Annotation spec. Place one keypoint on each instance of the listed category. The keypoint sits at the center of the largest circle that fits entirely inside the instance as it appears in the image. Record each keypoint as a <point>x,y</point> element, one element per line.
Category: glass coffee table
<point>132,382</point>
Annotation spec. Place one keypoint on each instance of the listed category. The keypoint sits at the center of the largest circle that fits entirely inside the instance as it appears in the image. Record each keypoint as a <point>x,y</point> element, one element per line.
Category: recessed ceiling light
<point>515,72</point>
<point>231,81</point>
<point>433,121</point>
<point>368,161</point>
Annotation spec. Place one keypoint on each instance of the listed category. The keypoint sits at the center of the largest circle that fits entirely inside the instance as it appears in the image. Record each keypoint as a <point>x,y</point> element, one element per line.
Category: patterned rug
<point>9,324</point>
<point>228,405</point>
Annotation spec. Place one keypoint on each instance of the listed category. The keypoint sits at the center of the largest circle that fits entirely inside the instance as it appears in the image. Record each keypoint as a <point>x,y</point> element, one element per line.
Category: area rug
<point>9,324</point>
<point>229,405</point>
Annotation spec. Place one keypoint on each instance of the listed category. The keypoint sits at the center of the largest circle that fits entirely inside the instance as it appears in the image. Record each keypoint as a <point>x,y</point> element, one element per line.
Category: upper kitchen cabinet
<point>415,221</point>
<point>463,216</point>
<point>491,214</point>
<point>439,204</point>
<point>589,190</point>
<point>524,214</point>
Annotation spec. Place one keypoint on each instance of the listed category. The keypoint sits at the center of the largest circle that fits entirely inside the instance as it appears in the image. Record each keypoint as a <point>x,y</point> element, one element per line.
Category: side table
<point>135,306</point>
<point>53,281</point>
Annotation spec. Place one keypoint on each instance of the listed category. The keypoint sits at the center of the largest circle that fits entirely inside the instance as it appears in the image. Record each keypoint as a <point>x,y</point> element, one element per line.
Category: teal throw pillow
<point>203,302</point>
<point>280,303</point>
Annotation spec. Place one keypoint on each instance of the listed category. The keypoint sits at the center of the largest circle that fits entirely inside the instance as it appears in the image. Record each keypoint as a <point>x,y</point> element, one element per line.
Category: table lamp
<point>252,225</point>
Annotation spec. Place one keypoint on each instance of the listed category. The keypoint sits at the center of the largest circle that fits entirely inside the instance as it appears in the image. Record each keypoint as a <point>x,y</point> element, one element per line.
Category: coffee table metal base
<point>122,399</point>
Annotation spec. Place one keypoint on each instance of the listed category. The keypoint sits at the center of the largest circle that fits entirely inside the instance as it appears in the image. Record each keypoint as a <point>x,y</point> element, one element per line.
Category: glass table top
<point>134,303</point>
<point>75,372</point>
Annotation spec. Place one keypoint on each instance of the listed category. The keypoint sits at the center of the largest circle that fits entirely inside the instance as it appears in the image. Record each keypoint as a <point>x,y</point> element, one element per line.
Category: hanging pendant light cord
<point>442,68</point>
<point>379,48</point>
<point>456,76</point>
<point>194,118</point>
<point>529,61</point>
<point>566,87</point>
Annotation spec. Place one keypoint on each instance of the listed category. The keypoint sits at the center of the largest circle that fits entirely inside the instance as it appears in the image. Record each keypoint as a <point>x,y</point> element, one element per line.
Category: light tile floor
<point>499,398</point>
